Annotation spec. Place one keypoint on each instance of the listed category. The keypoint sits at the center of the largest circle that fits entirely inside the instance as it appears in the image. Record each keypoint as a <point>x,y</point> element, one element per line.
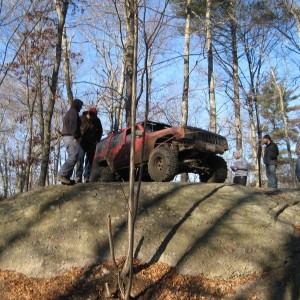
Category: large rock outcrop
<point>219,230</point>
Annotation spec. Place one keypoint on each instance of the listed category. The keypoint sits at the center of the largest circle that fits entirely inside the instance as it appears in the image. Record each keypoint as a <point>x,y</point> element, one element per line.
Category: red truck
<point>168,151</point>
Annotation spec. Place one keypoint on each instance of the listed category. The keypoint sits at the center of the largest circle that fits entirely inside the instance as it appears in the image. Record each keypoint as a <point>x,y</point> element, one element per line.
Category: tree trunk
<point>186,66</point>
<point>129,49</point>
<point>118,115</point>
<point>61,9</point>
<point>251,103</point>
<point>29,151</point>
<point>210,70</point>
<point>149,78</point>
<point>235,77</point>
<point>67,68</point>
<point>4,173</point>
<point>285,124</point>
<point>131,98</point>
<point>111,115</point>
<point>253,137</point>
<point>186,74</point>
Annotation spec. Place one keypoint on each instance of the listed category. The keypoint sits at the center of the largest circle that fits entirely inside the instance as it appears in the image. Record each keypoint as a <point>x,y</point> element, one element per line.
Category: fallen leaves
<point>157,281</point>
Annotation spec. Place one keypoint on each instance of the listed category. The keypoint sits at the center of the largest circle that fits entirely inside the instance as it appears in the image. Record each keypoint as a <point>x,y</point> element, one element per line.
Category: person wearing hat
<point>297,170</point>
<point>91,130</point>
<point>240,169</point>
<point>270,155</point>
<point>71,137</point>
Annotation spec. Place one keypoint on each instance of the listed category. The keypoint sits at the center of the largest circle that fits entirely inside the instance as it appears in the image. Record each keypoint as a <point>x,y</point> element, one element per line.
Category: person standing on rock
<point>297,171</point>
<point>270,155</point>
<point>91,131</point>
<point>240,169</point>
<point>71,137</point>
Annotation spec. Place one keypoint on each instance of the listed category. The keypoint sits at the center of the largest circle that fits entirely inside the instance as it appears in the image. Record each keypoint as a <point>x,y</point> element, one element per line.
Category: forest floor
<point>193,241</point>
<point>158,281</point>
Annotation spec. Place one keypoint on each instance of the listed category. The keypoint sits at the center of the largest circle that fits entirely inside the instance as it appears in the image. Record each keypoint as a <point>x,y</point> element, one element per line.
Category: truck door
<point>122,159</point>
<point>114,149</point>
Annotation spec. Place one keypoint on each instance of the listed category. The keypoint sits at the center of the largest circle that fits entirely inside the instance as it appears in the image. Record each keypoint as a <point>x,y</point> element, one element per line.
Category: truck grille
<point>207,137</point>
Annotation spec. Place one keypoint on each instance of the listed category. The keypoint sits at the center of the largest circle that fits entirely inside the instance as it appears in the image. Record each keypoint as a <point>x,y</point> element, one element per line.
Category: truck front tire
<point>163,164</point>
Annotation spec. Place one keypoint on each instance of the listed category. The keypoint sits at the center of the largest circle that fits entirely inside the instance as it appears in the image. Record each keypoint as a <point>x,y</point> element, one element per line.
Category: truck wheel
<point>95,173</point>
<point>219,170</point>
<point>163,164</point>
<point>106,175</point>
<point>205,177</point>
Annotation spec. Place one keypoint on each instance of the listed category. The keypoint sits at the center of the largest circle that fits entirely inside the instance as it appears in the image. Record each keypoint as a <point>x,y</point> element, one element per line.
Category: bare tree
<point>186,74</point>
<point>17,13</point>
<point>118,114</point>
<point>131,9</point>
<point>210,69</point>
<point>258,41</point>
<point>67,66</point>
<point>61,9</point>
<point>186,66</point>
<point>283,111</point>
<point>4,171</point>
<point>235,76</point>
<point>294,8</point>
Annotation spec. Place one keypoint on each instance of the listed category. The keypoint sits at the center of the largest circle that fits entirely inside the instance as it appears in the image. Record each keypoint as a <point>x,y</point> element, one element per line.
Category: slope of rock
<point>220,231</point>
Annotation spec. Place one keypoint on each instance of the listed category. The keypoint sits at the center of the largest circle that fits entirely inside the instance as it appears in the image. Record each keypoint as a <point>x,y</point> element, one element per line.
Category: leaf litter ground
<point>156,282</point>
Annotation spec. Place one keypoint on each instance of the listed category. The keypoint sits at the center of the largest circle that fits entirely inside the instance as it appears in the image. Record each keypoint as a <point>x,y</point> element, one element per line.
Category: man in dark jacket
<point>271,153</point>
<point>91,131</point>
<point>71,135</point>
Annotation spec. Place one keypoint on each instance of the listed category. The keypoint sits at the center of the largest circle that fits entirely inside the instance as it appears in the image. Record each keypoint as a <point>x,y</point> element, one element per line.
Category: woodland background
<point>229,66</point>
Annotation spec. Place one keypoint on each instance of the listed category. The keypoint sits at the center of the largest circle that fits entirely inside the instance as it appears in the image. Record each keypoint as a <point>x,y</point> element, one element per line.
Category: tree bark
<point>283,112</point>
<point>118,114</point>
<point>186,75</point>
<point>235,77</point>
<point>67,67</point>
<point>30,107</point>
<point>210,70</point>
<point>129,49</point>
<point>186,66</point>
<point>251,103</point>
<point>4,172</point>
<point>61,9</point>
<point>131,98</point>
<point>253,137</point>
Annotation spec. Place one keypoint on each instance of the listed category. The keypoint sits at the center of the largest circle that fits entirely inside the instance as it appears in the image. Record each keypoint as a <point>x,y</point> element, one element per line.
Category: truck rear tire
<point>106,175</point>
<point>102,174</point>
<point>163,164</point>
<point>95,173</point>
<point>218,168</point>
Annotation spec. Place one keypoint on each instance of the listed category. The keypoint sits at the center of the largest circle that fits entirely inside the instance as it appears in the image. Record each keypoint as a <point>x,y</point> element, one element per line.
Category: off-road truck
<point>168,151</point>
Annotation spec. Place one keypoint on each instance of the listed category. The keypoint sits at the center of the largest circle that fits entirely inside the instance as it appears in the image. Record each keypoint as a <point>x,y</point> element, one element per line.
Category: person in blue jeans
<point>91,133</point>
<point>71,137</point>
<point>271,153</point>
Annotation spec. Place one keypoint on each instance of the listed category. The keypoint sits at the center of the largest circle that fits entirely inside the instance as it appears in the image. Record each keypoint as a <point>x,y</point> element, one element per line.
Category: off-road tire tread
<point>219,167</point>
<point>170,159</point>
<point>106,174</point>
<point>95,173</point>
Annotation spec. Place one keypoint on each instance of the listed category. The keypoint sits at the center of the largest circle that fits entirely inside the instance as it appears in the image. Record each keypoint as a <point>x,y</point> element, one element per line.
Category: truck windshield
<point>151,127</point>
